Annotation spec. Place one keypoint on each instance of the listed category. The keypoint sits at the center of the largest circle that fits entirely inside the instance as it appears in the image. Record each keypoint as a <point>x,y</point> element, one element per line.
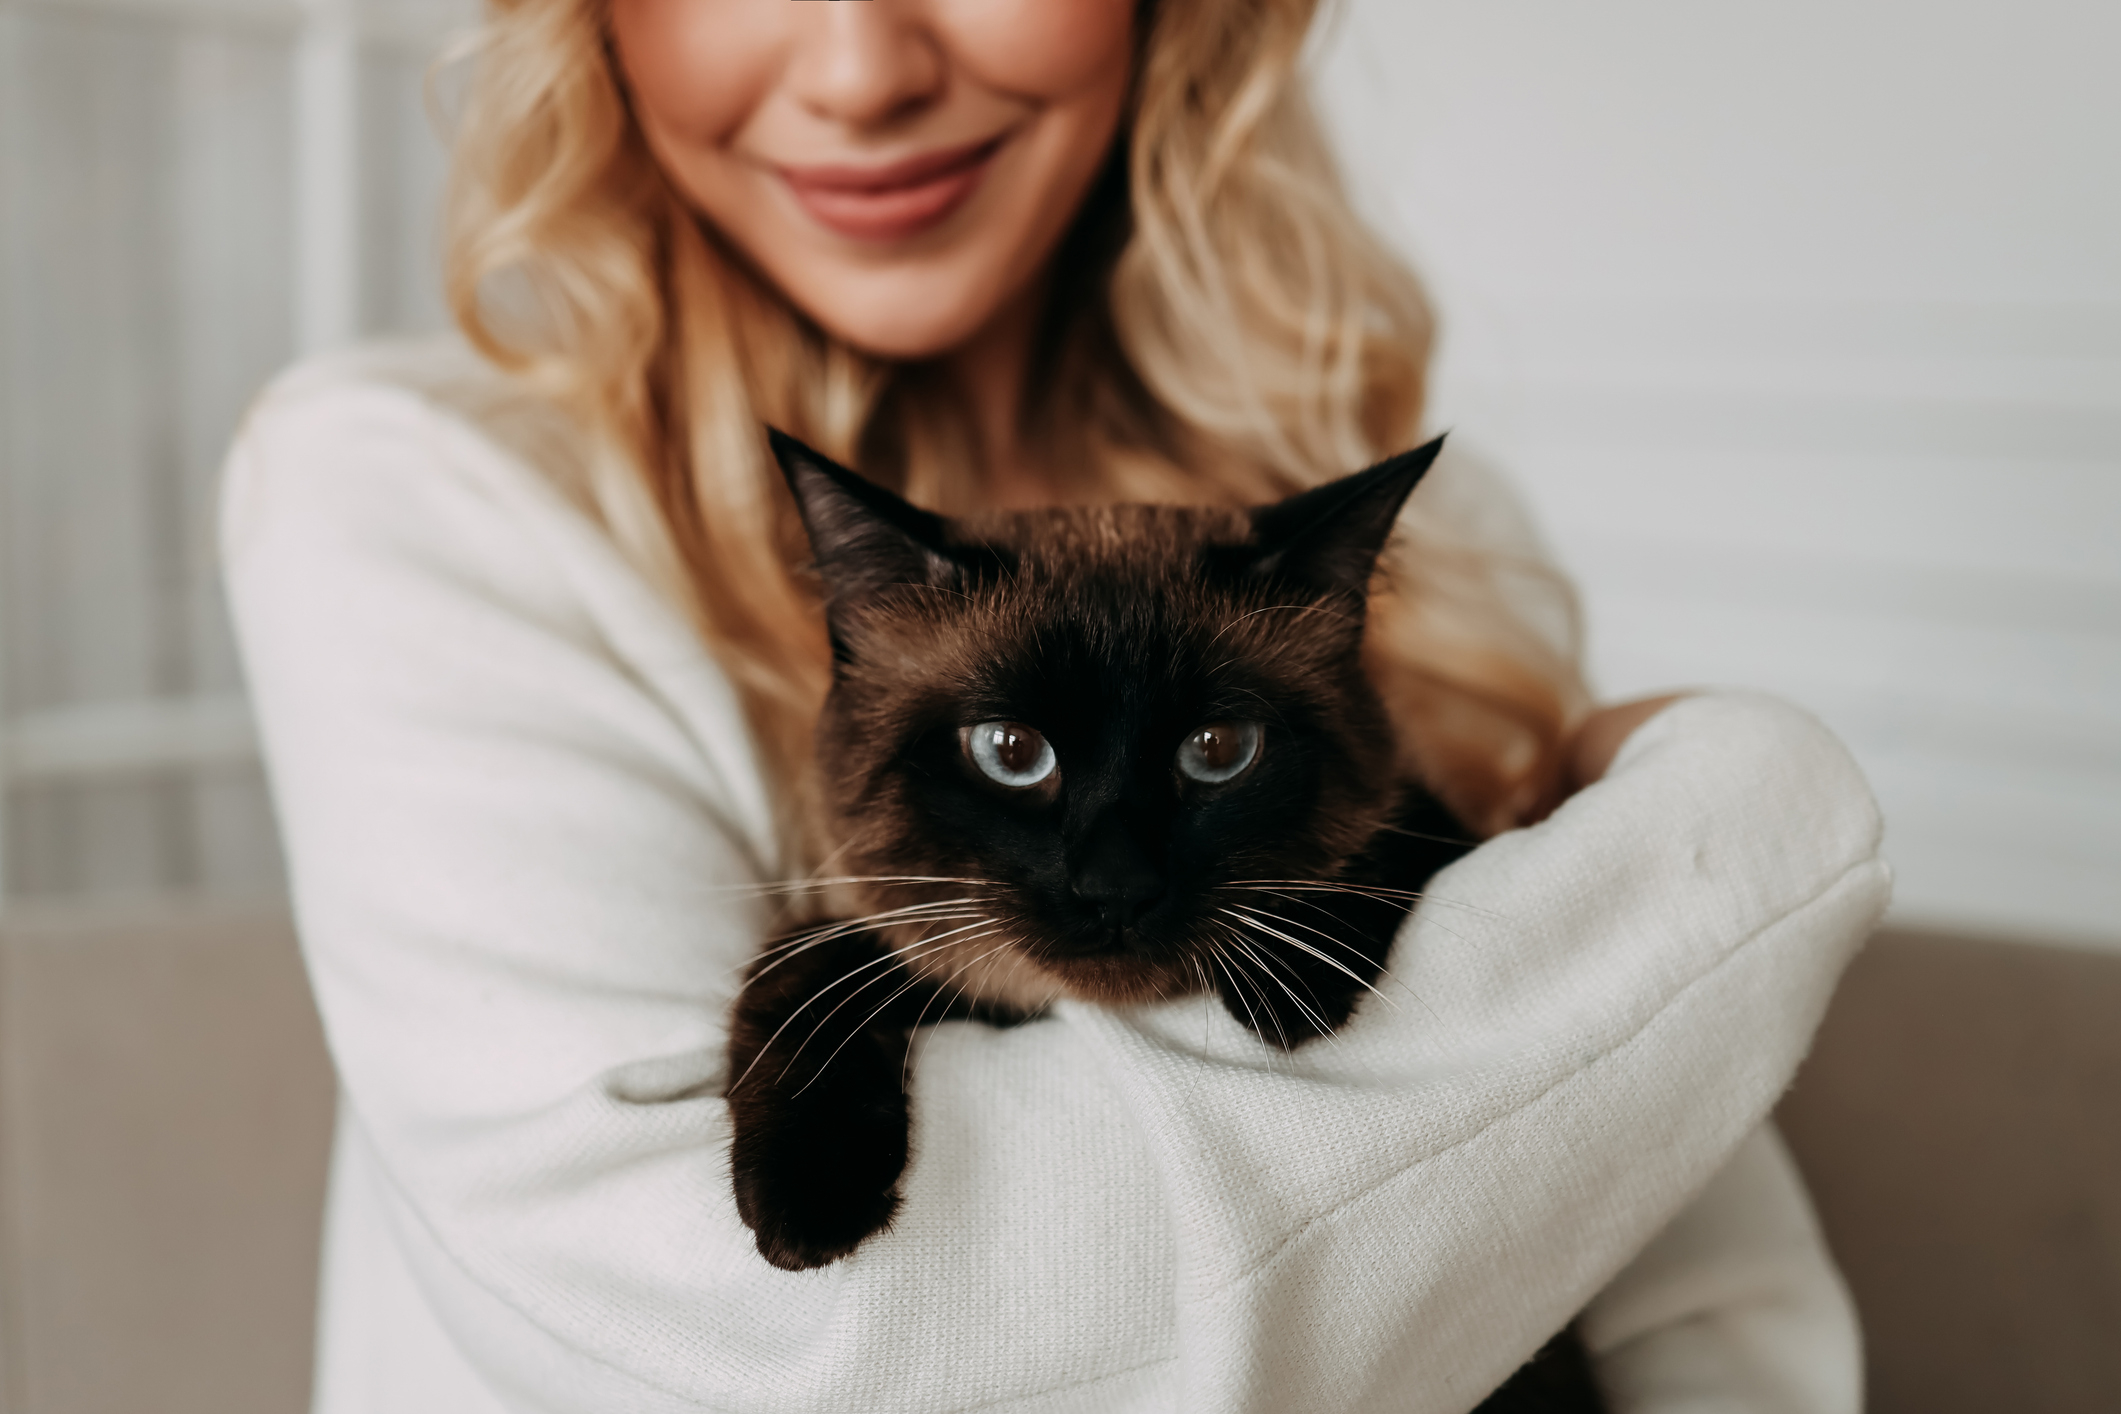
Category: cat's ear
<point>863,537</point>
<point>1329,538</point>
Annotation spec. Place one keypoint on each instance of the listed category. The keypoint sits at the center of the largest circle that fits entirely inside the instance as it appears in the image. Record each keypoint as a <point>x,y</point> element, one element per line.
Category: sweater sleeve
<point>525,835</point>
<point>1735,1306</point>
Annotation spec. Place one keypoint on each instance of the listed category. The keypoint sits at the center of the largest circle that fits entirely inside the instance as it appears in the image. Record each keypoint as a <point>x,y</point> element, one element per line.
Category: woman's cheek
<point>1047,49</point>
<point>698,68</point>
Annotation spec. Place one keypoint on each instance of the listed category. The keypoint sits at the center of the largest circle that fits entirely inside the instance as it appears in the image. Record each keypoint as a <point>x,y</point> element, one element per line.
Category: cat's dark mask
<point>1072,745</point>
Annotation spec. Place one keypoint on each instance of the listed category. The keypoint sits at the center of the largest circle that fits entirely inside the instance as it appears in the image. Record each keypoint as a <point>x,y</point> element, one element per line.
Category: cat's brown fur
<point>910,653</point>
<point>1112,867</point>
<point>1113,638</point>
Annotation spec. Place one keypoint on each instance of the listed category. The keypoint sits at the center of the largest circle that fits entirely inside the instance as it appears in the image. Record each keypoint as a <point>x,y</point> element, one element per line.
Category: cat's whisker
<point>956,972</point>
<point>852,1032</point>
<point>1260,987</point>
<point>1279,609</point>
<point>839,925</point>
<point>1376,891</point>
<point>919,1020</point>
<point>1397,897</point>
<point>914,979</point>
<point>1331,939</point>
<point>959,995</point>
<point>923,948</point>
<point>969,991</point>
<point>1320,909</point>
<point>1317,1019</point>
<point>830,881</point>
<point>1301,946</point>
<point>1333,886</point>
<point>1313,928</point>
<point>1267,925</point>
<point>1266,966</point>
<point>1208,988</point>
<point>1309,900</point>
<point>796,1012</point>
<point>840,928</point>
<point>798,943</point>
<point>1432,839</point>
<point>919,948</point>
<point>835,855</point>
<point>1229,969</point>
<point>947,917</point>
<point>1384,973</point>
<point>813,998</point>
<point>961,944</point>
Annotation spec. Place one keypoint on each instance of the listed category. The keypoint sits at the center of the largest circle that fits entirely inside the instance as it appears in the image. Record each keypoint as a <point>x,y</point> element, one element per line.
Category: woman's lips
<point>896,200</point>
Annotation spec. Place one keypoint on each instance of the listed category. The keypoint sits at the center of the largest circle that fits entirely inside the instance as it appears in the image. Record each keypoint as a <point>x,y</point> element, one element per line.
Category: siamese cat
<point>1122,754</point>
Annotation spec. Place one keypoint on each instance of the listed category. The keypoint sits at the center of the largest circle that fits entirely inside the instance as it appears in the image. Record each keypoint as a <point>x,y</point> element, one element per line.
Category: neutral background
<point>1800,325</point>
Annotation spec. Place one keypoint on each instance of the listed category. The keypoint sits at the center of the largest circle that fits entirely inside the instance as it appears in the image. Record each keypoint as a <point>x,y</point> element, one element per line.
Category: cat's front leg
<point>817,1099</point>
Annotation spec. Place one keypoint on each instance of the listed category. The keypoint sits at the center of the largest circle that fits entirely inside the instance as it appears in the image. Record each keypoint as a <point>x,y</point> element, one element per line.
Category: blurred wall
<point>191,194</point>
<point>1801,326</point>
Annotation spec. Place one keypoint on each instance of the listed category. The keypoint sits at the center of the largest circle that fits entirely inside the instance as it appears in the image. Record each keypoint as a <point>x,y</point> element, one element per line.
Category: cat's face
<point>1105,728</point>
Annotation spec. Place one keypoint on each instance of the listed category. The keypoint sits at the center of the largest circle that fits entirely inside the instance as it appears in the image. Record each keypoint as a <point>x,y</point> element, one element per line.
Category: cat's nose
<point>1116,879</point>
<point>1120,899</point>
<point>1120,896</point>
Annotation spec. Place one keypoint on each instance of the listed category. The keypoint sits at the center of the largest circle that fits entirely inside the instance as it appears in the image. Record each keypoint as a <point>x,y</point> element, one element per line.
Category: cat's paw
<point>814,1186</point>
<point>798,1230</point>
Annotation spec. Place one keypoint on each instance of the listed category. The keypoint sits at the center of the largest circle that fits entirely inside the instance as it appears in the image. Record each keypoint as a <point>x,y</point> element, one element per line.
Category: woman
<point>536,671</point>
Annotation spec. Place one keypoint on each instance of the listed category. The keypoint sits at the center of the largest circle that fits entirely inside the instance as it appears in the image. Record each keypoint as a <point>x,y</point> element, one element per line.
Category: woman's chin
<point>902,330</point>
<point>903,310</point>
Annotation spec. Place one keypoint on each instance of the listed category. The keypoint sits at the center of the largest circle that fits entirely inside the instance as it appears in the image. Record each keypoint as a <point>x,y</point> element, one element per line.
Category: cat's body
<point>1123,754</point>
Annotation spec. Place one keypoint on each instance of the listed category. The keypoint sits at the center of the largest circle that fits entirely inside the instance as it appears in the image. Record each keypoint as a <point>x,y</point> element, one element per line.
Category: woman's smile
<point>902,172</point>
<point>892,201</point>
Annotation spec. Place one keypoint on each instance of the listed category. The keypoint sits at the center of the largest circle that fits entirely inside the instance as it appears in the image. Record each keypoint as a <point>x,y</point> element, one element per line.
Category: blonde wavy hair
<point>1223,329</point>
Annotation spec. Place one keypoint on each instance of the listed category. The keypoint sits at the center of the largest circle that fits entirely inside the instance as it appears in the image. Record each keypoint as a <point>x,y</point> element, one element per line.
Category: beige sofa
<point>165,1110</point>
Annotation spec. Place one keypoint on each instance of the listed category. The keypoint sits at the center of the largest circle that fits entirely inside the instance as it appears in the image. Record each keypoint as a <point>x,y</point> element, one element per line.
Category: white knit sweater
<point>519,803</point>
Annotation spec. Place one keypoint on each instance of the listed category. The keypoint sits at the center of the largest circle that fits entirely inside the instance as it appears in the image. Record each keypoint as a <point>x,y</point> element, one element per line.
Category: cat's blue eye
<point>1010,753</point>
<point>1219,751</point>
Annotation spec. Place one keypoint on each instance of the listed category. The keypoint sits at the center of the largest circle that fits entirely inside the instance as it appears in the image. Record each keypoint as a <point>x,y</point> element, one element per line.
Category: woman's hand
<point>1598,738</point>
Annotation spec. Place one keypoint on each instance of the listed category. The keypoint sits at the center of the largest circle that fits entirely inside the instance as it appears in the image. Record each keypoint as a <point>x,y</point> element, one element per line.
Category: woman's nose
<point>866,63</point>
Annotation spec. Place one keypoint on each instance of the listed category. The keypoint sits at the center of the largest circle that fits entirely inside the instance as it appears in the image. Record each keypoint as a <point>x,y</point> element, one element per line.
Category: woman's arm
<point>1734,1306</point>
<point>525,831</point>
<point>526,839</point>
<point>1737,1302</point>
